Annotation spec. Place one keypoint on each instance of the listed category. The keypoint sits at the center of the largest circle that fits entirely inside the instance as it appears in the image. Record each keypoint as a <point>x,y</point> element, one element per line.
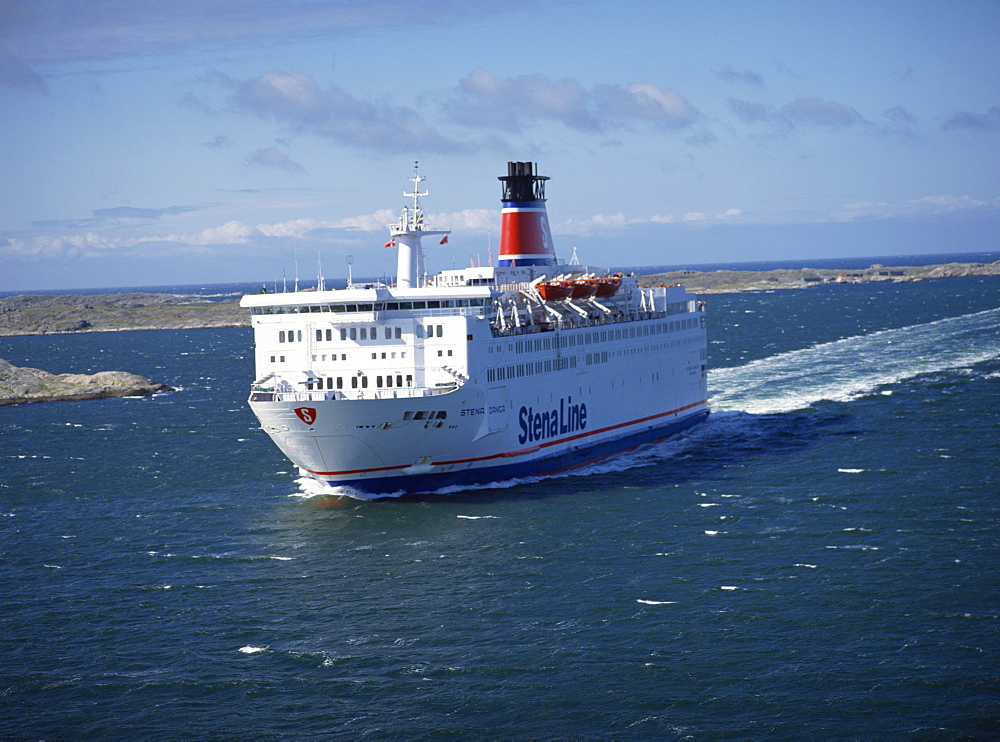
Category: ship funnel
<point>525,238</point>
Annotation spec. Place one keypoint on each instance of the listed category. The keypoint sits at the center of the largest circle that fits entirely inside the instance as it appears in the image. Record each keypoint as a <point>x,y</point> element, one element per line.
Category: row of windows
<point>386,306</point>
<point>519,370</point>
<point>361,333</point>
<point>360,382</point>
<point>576,339</point>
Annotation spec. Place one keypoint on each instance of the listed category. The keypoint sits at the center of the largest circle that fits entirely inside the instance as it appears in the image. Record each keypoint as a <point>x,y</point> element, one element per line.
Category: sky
<point>179,142</point>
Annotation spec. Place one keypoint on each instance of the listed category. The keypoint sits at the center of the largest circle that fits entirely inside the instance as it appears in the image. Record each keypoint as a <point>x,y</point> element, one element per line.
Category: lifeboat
<point>607,286</point>
<point>583,288</point>
<point>555,290</point>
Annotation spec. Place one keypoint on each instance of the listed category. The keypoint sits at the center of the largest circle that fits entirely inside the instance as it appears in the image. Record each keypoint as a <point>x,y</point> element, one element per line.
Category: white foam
<point>249,649</point>
<point>728,587</point>
<point>850,471</point>
<point>847,369</point>
<point>475,517</point>
<point>656,602</point>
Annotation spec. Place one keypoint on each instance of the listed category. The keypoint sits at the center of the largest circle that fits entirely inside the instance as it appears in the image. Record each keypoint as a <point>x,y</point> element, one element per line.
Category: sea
<point>818,560</point>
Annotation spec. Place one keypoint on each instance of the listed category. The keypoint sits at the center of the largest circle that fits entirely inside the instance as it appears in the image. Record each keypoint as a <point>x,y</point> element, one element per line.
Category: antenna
<point>350,277</point>
<point>296,270</point>
<point>320,282</point>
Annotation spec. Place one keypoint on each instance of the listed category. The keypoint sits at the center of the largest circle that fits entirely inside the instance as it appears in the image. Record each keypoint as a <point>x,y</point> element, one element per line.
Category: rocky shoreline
<point>728,281</point>
<point>37,314</point>
<point>23,385</point>
<point>33,314</point>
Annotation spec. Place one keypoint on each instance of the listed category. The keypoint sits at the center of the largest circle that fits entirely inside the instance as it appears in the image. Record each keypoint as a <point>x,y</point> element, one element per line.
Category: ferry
<point>530,367</point>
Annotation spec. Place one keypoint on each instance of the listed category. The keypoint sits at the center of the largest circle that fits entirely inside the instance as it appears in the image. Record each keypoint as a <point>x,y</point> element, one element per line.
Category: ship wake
<point>852,367</point>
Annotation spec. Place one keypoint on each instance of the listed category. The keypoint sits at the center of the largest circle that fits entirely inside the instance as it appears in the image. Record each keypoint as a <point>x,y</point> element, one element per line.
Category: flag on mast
<point>444,240</point>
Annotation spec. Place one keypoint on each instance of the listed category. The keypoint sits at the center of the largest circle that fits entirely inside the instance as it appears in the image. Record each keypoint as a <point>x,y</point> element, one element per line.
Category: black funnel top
<point>521,184</point>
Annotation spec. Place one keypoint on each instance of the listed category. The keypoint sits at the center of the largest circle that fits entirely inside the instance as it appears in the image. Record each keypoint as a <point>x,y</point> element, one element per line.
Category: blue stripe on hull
<point>535,468</point>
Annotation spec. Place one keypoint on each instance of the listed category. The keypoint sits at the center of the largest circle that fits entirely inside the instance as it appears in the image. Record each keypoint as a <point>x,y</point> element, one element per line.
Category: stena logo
<point>306,414</point>
<point>565,418</point>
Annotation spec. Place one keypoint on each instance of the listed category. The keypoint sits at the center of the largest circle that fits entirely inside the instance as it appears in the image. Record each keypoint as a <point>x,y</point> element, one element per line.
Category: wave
<point>846,369</point>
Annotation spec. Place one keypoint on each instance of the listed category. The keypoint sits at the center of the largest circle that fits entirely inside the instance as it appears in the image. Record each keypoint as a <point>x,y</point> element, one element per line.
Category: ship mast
<point>406,233</point>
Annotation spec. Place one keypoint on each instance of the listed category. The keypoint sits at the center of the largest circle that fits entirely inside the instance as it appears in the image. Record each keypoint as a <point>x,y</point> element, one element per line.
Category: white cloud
<point>485,100</point>
<point>923,206</point>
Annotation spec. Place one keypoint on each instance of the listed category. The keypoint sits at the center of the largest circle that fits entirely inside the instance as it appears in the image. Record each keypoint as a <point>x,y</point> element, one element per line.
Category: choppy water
<point>821,559</point>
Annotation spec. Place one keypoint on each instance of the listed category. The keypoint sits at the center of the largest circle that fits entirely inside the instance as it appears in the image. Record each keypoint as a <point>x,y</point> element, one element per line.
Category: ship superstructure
<point>475,375</point>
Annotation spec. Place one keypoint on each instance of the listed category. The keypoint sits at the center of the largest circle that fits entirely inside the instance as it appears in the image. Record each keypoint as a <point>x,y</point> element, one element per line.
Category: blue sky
<point>207,141</point>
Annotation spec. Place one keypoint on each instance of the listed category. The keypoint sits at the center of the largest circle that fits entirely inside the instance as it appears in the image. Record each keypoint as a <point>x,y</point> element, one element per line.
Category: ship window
<point>420,305</point>
<point>354,333</point>
<point>281,359</point>
<point>329,334</point>
<point>406,305</point>
<point>281,336</point>
<point>383,356</point>
<point>440,331</point>
<point>408,415</point>
<point>388,380</point>
<point>374,356</point>
<point>433,304</point>
<point>343,333</point>
<point>388,333</point>
<point>364,333</point>
<point>449,352</point>
<point>440,353</point>
<point>364,307</point>
<point>350,307</point>
<point>409,380</point>
<point>272,359</point>
<point>399,380</point>
<point>343,356</point>
<point>300,336</point>
<point>378,381</point>
<point>399,333</point>
<point>319,334</point>
<point>354,382</point>
<point>329,382</point>
<point>340,382</point>
<point>364,382</point>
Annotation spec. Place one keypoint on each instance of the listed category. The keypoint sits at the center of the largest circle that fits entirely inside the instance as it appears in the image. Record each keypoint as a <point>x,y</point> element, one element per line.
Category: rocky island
<point>42,314</point>
<point>33,314</point>
<point>731,281</point>
<point>22,385</point>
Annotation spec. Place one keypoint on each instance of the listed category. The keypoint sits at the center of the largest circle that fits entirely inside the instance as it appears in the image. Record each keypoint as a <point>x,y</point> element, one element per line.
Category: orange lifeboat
<point>583,288</point>
<point>607,286</point>
<point>554,290</point>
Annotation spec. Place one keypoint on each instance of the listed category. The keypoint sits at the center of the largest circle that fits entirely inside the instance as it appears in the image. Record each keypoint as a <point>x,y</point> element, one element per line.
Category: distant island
<point>34,314</point>
<point>44,314</point>
<point>23,385</point>
<point>730,281</point>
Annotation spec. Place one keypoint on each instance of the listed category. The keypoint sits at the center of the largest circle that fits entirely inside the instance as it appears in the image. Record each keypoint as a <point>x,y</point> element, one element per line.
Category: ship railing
<point>270,395</point>
<point>576,323</point>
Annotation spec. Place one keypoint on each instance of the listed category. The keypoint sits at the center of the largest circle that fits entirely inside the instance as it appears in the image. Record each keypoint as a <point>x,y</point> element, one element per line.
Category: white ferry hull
<point>405,459</point>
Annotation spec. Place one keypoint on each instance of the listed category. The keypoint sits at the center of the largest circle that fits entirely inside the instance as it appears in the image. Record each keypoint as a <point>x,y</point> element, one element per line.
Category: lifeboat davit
<point>555,290</point>
<point>607,286</point>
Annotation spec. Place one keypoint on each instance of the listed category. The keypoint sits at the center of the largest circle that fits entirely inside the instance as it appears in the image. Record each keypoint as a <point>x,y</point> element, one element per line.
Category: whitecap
<point>728,587</point>
<point>656,602</point>
<point>850,471</point>
<point>475,517</point>
<point>250,649</point>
